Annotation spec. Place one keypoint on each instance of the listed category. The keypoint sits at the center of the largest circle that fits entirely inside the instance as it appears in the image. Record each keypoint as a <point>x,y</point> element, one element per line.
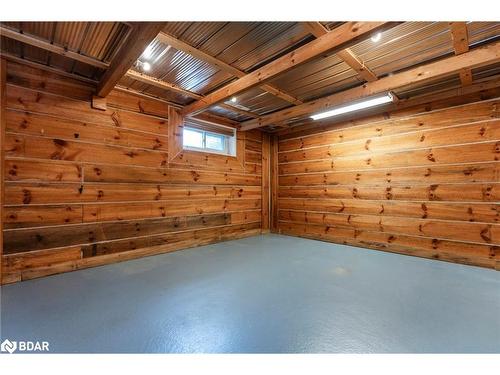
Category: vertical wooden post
<point>3,82</point>
<point>266,170</point>
<point>175,128</point>
<point>274,183</point>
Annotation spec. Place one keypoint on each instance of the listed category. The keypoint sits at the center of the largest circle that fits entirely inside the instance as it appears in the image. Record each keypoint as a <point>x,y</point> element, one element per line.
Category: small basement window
<point>207,137</point>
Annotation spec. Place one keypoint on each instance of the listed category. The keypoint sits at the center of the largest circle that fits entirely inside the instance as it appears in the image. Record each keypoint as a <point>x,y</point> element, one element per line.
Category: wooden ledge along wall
<point>86,187</point>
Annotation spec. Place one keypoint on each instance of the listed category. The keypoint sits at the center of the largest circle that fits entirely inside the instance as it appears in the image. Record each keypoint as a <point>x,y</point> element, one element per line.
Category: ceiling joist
<point>460,38</point>
<point>318,30</point>
<point>355,63</point>
<point>141,35</point>
<point>219,64</point>
<point>346,34</point>
<point>481,56</point>
<point>47,68</point>
<point>156,82</point>
<point>240,111</point>
<point>47,46</point>
<point>144,78</point>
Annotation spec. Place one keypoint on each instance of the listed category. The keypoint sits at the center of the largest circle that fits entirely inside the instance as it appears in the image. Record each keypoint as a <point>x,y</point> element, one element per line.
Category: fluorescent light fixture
<point>387,98</point>
<point>375,38</point>
<point>146,66</point>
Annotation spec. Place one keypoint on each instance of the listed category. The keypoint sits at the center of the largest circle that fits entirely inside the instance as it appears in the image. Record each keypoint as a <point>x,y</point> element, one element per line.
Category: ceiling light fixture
<point>146,66</point>
<point>372,102</point>
<point>148,52</point>
<point>233,99</point>
<point>375,38</point>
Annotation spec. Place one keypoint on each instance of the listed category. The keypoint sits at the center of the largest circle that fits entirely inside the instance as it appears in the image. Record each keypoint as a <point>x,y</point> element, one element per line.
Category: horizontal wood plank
<point>128,211</point>
<point>53,127</point>
<point>24,170</point>
<point>436,192</point>
<point>474,254</point>
<point>469,113</point>
<point>470,212</point>
<point>471,133</point>
<point>461,173</point>
<point>428,157</point>
<point>45,193</point>
<point>457,231</point>
<point>24,146</point>
<point>105,173</point>
<point>59,106</point>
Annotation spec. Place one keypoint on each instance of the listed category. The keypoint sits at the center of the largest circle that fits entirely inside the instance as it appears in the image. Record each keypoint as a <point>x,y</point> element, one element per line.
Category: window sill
<point>207,151</point>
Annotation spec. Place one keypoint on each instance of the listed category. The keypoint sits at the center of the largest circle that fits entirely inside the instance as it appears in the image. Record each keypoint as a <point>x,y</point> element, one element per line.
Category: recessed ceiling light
<point>233,99</point>
<point>146,66</point>
<point>375,38</point>
<point>372,102</point>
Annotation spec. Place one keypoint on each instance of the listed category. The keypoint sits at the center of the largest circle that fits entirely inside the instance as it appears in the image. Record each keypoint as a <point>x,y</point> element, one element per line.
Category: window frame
<point>229,150</point>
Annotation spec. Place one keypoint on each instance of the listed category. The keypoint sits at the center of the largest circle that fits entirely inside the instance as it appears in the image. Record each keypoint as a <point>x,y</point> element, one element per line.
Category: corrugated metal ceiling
<point>247,46</point>
<point>98,40</point>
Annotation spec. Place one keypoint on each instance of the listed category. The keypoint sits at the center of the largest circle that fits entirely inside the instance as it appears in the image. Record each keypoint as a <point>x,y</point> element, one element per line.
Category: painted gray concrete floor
<point>264,294</point>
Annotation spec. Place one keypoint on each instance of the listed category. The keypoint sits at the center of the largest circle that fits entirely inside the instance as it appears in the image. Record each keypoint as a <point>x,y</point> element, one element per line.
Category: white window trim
<point>229,150</point>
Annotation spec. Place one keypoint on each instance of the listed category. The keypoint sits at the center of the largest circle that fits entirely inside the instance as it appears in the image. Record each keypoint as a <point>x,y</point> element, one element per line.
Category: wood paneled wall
<point>420,182</point>
<point>85,187</point>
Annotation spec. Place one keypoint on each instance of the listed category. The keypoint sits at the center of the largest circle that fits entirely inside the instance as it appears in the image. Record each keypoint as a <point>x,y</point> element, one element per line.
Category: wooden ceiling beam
<point>200,55</point>
<point>346,34</point>
<point>465,76</point>
<point>47,46</point>
<point>33,64</point>
<point>216,119</point>
<point>273,90</point>
<point>317,29</point>
<point>219,64</point>
<point>144,78</point>
<point>355,63</point>
<point>156,82</point>
<point>238,110</point>
<point>141,35</point>
<point>460,38</point>
<point>481,56</point>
